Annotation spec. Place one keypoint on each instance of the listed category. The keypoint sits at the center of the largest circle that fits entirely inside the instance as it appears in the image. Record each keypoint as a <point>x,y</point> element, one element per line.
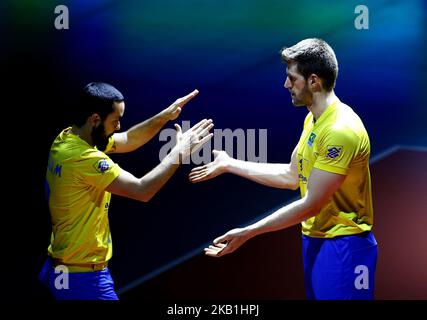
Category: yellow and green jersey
<point>337,142</point>
<point>76,178</point>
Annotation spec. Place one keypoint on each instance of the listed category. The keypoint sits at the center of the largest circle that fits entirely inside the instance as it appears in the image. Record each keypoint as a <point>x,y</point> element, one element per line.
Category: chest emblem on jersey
<point>102,165</point>
<point>334,151</point>
<point>311,139</point>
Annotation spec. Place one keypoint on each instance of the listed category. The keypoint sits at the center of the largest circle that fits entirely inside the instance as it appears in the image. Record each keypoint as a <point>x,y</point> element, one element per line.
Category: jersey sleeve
<point>97,169</point>
<point>336,151</point>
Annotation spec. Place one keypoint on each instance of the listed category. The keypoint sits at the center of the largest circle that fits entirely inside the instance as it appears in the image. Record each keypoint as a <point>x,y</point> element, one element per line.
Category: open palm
<point>211,170</point>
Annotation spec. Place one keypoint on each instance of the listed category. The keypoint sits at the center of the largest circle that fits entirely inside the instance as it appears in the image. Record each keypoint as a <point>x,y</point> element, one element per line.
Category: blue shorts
<point>340,268</point>
<point>94,285</point>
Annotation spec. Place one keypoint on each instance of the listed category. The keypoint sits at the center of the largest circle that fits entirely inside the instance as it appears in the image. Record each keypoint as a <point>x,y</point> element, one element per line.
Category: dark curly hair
<point>96,97</point>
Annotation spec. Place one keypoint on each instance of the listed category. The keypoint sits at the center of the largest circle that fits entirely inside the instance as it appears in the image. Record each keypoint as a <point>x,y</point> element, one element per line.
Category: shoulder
<point>345,122</point>
<point>345,129</point>
<point>93,154</point>
<point>346,116</point>
<point>93,161</point>
<point>308,119</point>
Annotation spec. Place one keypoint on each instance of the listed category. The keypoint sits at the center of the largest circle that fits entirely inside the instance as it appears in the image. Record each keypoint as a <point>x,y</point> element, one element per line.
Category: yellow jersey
<point>337,142</point>
<point>76,177</point>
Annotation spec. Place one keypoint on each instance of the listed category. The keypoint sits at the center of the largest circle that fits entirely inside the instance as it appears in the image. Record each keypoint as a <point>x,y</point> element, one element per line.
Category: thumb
<point>178,132</point>
<point>220,239</point>
<point>215,153</point>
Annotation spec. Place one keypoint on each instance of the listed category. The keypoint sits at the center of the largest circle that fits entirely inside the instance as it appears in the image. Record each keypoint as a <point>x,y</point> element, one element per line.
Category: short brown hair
<point>314,56</point>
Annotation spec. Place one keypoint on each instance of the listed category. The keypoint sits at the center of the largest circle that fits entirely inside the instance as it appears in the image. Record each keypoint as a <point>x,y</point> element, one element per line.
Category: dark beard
<point>304,99</point>
<point>99,139</point>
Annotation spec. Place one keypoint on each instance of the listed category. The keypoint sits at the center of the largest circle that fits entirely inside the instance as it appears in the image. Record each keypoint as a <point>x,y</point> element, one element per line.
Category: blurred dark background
<point>157,51</point>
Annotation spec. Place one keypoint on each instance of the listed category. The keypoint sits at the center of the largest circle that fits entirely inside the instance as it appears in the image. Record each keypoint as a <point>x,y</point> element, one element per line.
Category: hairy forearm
<point>153,181</point>
<point>283,218</point>
<point>143,132</point>
<point>275,175</point>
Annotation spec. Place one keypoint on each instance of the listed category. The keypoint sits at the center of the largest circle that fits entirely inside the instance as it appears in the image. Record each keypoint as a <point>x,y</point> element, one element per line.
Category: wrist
<point>163,117</point>
<point>231,165</point>
<point>251,231</point>
<point>176,156</point>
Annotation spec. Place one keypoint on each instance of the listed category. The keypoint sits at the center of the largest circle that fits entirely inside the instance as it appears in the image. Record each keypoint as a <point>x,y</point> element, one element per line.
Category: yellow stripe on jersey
<point>77,176</point>
<point>337,142</point>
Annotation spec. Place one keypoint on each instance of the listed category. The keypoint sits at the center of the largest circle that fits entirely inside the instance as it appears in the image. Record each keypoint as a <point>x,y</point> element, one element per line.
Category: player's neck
<point>321,100</point>
<point>83,133</point>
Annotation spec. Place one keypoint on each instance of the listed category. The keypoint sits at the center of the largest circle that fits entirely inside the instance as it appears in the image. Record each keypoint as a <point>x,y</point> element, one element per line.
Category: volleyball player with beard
<point>80,178</point>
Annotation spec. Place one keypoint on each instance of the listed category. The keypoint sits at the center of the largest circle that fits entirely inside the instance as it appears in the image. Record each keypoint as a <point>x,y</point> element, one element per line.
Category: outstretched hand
<point>173,111</point>
<point>227,243</point>
<point>211,170</point>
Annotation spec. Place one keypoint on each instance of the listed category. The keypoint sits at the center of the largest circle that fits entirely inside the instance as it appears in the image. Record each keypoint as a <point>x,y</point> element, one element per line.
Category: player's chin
<point>297,103</point>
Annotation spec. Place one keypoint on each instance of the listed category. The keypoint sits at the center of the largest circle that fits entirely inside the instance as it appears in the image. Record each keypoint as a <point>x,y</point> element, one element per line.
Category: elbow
<point>311,212</point>
<point>145,193</point>
<point>294,186</point>
<point>313,208</point>
<point>288,186</point>
<point>290,181</point>
<point>145,197</point>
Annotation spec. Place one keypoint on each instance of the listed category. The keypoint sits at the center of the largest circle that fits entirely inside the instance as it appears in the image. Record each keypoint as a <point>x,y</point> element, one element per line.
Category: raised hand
<point>172,112</point>
<point>191,140</point>
<point>211,170</point>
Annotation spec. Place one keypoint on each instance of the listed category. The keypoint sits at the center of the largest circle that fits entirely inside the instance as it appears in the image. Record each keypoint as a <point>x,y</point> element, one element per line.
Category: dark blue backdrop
<point>157,51</point>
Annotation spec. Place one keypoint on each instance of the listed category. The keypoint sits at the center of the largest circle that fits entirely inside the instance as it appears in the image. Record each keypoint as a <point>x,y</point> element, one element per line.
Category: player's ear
<point>315,83</point>
<point>94,119</point>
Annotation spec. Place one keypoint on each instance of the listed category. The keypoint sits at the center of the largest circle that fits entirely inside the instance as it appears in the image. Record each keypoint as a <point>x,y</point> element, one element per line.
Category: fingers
<point>184,100</point>
<point>216,250</point>
<point>204,129</point>
<point>201,142</point>
<point>198,169</point>
<point>222,238</point>
<point>197,174</point>
<point>199,131</point>
<point>178,131</point>
<point>178,128</point>
<point>199,177</point>
<point>200,123</point>
<point>212,253</point>
<point>201,135</point>
<point>223,245</point>
<point>205,139</point>
<point>192,94</point>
